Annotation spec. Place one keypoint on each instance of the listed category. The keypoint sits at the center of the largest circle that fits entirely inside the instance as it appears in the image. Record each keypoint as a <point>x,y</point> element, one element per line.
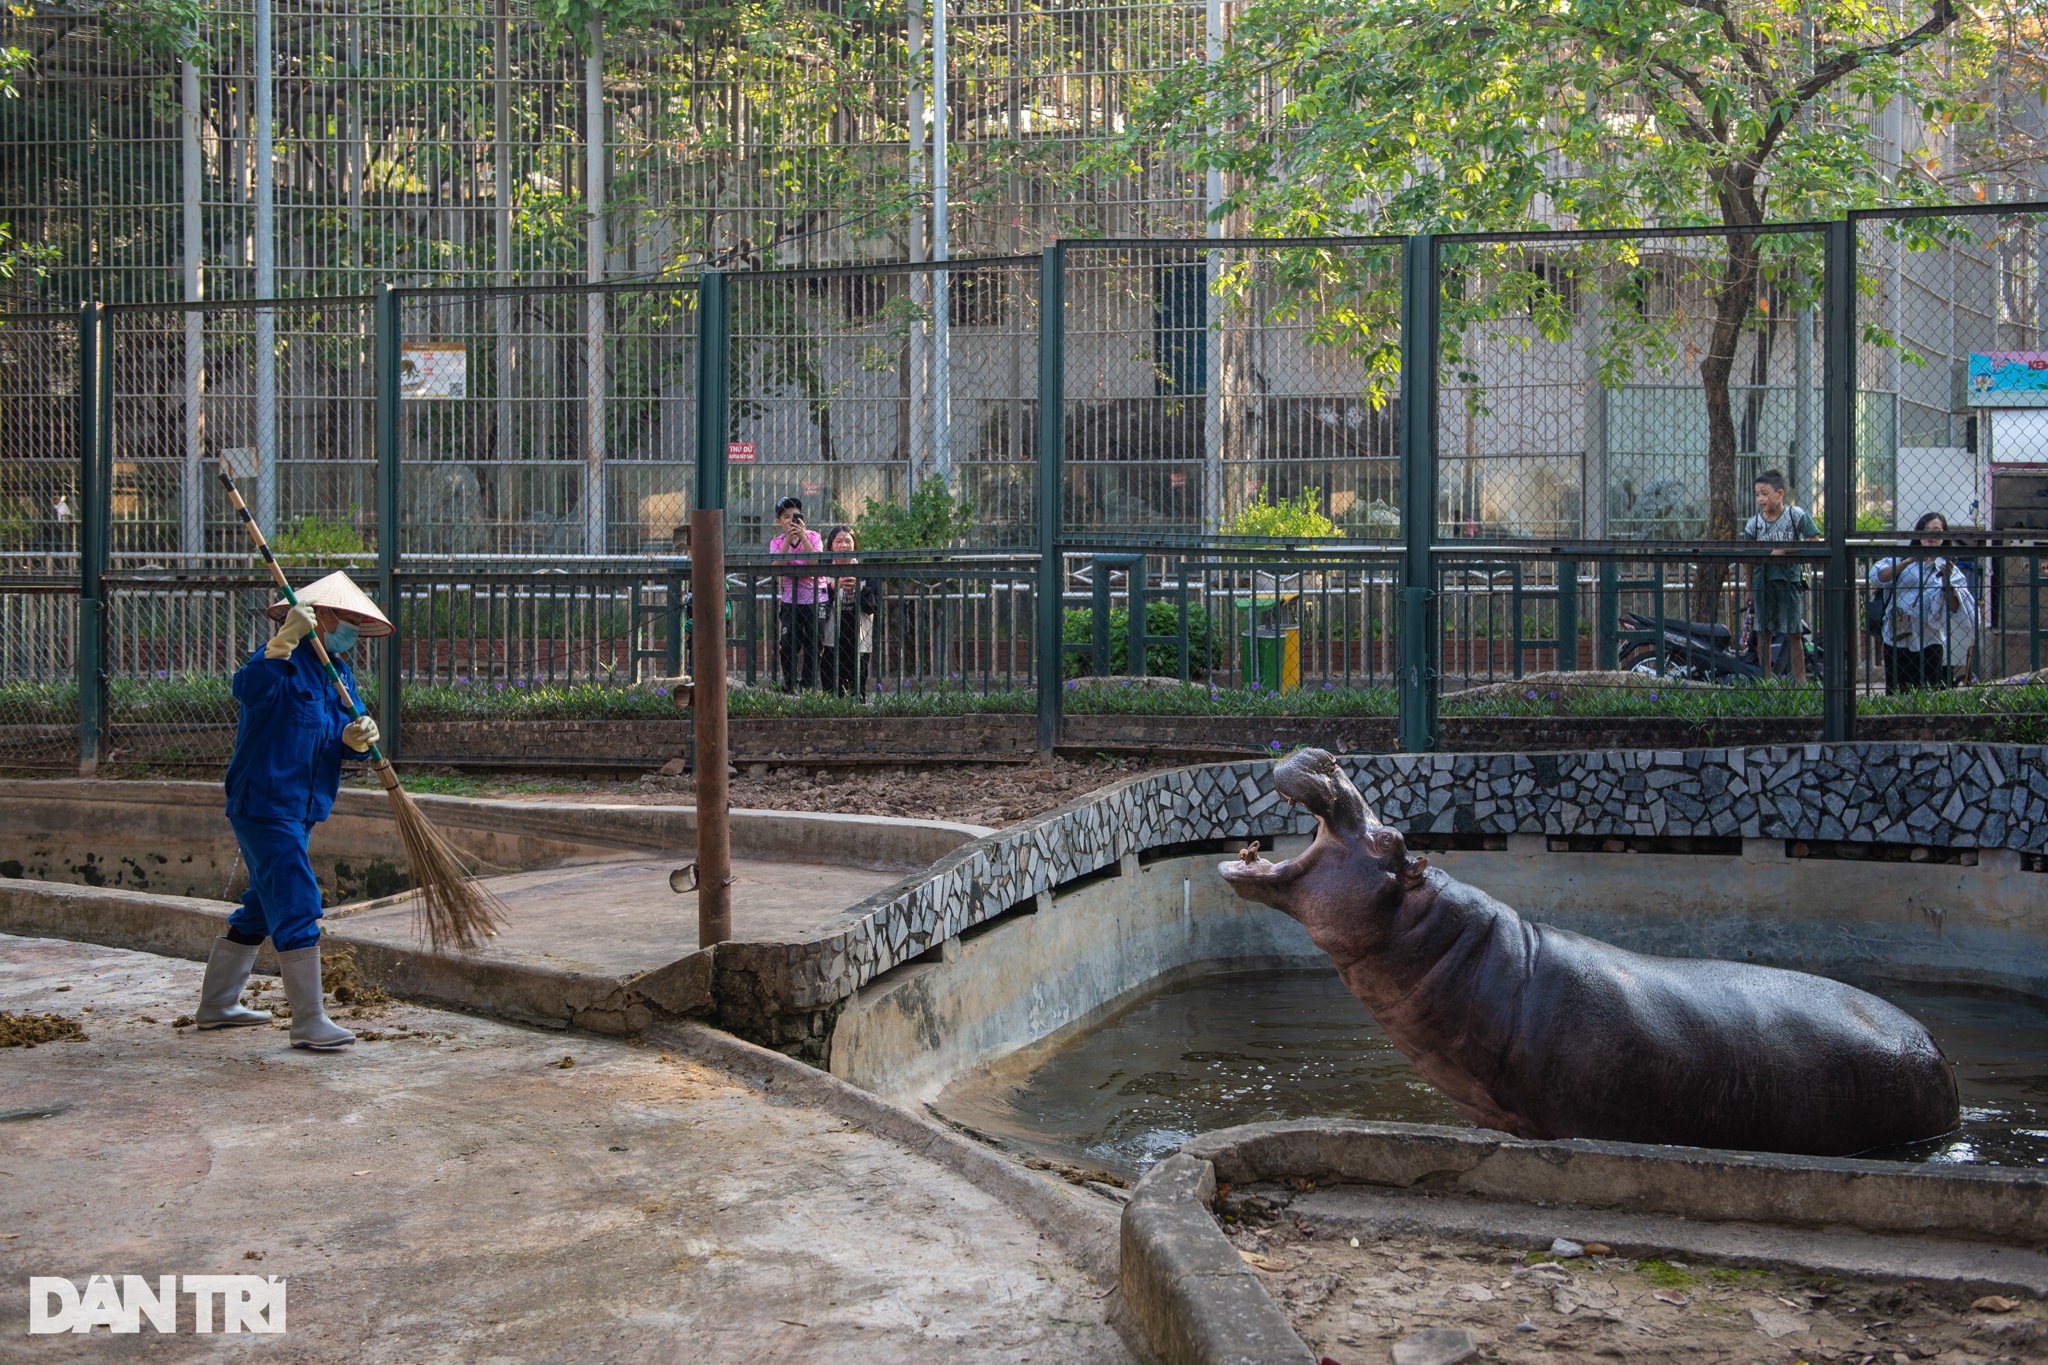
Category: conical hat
<point>342,597</point>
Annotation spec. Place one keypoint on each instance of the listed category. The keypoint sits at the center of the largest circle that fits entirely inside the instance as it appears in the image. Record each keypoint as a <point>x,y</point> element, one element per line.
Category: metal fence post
<point>1567,615</point>
<point>390,452</point>
<point>714,387</point>
<point>1052,361</point>
<point>1134,649</point>
<point>94,504</point>
<point>1419,316</point>
<point>1607,644</point>
<point>1838,382</point>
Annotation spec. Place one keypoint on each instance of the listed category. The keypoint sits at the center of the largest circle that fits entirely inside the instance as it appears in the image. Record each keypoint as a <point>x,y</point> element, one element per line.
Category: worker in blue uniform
<point>289,744</point>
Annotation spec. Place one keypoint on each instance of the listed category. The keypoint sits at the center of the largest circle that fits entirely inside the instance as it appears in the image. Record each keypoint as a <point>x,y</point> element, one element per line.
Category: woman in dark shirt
<point>849,629</point>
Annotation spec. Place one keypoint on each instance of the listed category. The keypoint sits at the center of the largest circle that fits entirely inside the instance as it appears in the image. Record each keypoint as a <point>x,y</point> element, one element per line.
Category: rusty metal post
<point>707,673</point>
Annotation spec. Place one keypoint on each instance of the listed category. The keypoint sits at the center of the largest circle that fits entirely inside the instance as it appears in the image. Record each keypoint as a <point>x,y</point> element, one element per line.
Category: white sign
<point>435,369</point>
<point>247,1303</point>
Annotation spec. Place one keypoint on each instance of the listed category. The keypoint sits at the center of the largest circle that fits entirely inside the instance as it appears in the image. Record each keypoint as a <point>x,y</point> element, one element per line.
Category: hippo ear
<point>1392,849</point>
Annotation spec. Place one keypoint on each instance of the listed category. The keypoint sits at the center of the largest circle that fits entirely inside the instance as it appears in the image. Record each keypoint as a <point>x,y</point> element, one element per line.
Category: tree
<point>1365,116</point>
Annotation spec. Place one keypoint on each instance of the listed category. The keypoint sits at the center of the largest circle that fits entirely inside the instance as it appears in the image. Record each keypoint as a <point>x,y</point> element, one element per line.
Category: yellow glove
<point>360,734</point>
<point>298,624</point>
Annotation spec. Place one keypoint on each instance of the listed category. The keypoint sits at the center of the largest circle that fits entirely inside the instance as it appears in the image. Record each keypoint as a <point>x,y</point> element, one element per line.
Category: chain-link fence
<point>1626,386</point>
<point>39,396</point>
<point>1233,388</point>
<point>853,387</point>
<point>1613,425</point>
<point>547,421</point>
<point>287,391</point>
<point>1952,519</point>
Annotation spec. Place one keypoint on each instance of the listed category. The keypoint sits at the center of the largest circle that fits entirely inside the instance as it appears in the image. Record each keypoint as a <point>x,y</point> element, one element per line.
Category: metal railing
<point>1448,462</point>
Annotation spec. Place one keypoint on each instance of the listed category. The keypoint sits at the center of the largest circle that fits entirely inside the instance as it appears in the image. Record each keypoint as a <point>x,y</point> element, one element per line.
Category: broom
<point>454,909</point>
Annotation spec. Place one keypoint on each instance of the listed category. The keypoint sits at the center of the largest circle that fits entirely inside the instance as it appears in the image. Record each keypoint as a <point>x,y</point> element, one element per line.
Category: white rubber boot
<point>310,1025</point>
<point>220,996</point>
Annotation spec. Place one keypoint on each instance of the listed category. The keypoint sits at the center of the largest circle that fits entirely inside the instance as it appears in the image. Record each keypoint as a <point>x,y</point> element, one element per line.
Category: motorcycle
<point>1699,651</point>
<point>1704,651</point>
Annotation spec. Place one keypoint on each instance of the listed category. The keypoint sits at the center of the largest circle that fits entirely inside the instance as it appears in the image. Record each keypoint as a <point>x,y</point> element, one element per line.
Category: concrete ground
<point>617,918</point>
<point>448,1189</point>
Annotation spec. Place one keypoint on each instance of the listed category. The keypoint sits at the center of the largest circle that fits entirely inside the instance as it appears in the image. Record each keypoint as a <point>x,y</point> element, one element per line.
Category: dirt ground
<point>995,794</point>
<point>1353,1303</point>
<point>456,1189</point>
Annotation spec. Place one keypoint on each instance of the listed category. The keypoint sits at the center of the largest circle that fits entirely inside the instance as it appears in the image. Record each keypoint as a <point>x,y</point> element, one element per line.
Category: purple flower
<point>1276,746</point>
<point>1653,696</point>
<point>1553,696</point>
<point>661,691</point>
<point>1532,694</point>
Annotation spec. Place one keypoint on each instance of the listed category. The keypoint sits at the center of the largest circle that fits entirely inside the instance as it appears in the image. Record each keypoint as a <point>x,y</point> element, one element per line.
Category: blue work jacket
<point>288,749</point>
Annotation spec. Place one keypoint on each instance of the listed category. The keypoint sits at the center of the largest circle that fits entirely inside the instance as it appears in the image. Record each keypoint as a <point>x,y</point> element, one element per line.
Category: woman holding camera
<point>849,635</point>
<point>1926,593</point>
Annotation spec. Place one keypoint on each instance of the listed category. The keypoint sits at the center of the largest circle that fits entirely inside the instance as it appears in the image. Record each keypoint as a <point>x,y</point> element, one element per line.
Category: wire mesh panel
<point>1627,387</point>
<point>1208,386</point>
<point>850,389</point>
<point>548,421</point>
<point>38,673</point>
<point>1953,511</point>
<point>1954,332</point>
<point>449,141</point>
<point>286,390</point>
<point>39,504</point>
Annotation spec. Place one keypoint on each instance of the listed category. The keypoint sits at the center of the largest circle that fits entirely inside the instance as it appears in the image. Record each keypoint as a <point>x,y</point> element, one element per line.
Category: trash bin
<point>1272,657</point>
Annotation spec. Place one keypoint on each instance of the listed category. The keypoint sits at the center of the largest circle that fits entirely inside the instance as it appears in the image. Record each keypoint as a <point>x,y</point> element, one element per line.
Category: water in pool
<point>1215,1053</point>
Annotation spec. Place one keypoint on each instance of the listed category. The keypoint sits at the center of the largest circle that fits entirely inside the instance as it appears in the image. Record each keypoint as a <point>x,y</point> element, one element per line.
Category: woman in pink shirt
<point>797,597</point>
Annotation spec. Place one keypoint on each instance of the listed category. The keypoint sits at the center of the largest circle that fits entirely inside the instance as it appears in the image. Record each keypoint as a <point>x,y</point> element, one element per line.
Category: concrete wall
<point>1031,975</point>
<point>172,837</point>
<point>1031,981</point>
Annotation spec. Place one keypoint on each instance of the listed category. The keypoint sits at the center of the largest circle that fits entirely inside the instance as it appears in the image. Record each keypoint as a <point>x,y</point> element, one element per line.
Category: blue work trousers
<point>283,899</point>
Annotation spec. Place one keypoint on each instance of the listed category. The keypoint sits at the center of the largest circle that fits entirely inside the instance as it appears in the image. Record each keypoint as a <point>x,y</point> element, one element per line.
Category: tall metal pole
<point>89,658</point>
<point>1802,461</point>
<point>1052,577</point>
<point>390,469</point>
<point>711,754</point>
<point>714,385</point>
<point>192,486</point>
<point>1212,368</point>
<point>596,380</point>
<point>505,360</point>
<point>1419,646</point>
<point>942,359</point>
<point>917,453</point>
<point>707,673</point>
<point>1838,309</point>
<point>266,276</point>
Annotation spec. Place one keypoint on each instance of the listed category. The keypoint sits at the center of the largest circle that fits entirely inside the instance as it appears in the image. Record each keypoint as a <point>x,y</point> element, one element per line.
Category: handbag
<point>1875,609</point>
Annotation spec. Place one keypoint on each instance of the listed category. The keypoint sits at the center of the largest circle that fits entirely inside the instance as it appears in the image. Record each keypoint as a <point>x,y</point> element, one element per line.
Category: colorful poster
<point>1995,376</point>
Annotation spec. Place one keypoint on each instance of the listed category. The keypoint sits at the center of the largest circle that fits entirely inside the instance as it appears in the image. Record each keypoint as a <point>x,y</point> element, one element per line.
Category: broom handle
<point>284,586</point>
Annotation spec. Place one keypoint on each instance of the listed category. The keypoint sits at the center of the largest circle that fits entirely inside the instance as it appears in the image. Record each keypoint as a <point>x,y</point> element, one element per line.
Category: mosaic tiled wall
<point>1962,795</point>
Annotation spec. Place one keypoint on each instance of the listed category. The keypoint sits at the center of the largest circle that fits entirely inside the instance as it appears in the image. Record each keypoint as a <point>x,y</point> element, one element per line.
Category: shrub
<point>1162,617</point>
<point>320,541</point>
<point>1297,518</point>
<point>933,520</point>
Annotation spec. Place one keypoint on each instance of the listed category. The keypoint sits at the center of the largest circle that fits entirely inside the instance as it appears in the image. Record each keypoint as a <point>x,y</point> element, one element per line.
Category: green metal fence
<point>1427,468</point>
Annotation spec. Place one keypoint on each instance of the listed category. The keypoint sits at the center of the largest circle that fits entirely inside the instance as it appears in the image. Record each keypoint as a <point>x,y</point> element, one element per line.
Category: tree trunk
<point>1732,303</point>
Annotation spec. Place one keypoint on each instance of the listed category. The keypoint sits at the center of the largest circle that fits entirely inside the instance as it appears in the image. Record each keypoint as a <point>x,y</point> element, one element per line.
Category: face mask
<point>342,638</point>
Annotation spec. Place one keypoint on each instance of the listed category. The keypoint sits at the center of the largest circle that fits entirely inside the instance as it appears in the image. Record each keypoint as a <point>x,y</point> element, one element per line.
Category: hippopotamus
<point>1543,1033</point>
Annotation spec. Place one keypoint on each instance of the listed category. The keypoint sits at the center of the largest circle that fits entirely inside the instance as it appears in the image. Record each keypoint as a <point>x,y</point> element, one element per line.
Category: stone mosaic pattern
<point>1957,795</point>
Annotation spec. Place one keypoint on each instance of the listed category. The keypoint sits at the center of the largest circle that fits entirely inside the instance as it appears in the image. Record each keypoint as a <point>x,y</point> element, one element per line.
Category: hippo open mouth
<point>1545,1033</point>
<point>1346,831</point>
